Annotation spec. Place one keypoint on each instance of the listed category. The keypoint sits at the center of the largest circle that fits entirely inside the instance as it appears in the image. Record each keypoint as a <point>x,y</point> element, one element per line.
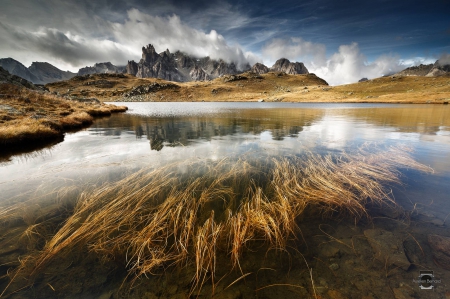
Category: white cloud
<point>170,33</point>
<point>294,48</point>
<point>444,59</point>
<point>348,65</point>
<point>72,50</point>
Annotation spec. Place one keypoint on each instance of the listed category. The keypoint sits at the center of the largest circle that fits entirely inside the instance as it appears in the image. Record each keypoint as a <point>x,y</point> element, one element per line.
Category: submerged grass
<point>187,214</point>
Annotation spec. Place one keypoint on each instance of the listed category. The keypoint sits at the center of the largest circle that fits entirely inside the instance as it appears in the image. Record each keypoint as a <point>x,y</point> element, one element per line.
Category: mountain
<point>259,68</point>
<point>420,70</point>
<point>291,68</point>
<point>439,68</point>
<point>6,77</point>
<point>281,65</point>
<point>102,68</point>
<point>16,68</point>
<point>47,73</point>
<point>38,72</point>
<point>179,66</point>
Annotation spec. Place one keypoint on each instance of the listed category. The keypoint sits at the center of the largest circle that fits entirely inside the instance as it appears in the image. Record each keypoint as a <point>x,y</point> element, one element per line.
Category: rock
<point>6,77</point>
<point>260,101</point>
<point>132,68</point>
<point>437,222</point>
<point>181,67</point>
<point>413,252</point>
<point>259,68</point>
<point>14,67</point>
<point>403,292</point>
<point>334,267</point>
<point>150,88</point>
<point>388,248</point>
<point>292,68</point>
<point>330,251</point>
<point>333,294</point>
<point>231,78</point>
<point>441,250</point>
<point>363,80</point>
<point>198,74</point>
<point>420,70</point>
<point>440,67</point>
<point>102,68</point>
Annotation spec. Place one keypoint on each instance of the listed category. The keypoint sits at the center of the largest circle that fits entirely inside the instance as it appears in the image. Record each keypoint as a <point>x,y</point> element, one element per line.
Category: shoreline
<point>32,119</point>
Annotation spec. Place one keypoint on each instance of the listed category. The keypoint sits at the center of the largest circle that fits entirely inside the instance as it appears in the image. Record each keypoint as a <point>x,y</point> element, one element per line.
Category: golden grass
<point>26,129</point>
<point>32,115</point>
<point>271,87</point>
<point>76,119</point>
<point>187,214</point>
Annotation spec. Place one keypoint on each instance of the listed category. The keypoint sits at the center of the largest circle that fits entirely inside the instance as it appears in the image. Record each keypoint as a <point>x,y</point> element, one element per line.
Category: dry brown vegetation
<point>159,218</point>
<point>28,116</point>
<point>270,87</point>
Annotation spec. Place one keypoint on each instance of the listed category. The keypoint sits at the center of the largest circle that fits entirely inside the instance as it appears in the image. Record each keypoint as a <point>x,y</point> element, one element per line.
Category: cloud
<point>348,65</point>
<point>294,48</point>
<point>63,49</point>
<point>169,32</point>
<point>444,59</point>
<point>119,42</point>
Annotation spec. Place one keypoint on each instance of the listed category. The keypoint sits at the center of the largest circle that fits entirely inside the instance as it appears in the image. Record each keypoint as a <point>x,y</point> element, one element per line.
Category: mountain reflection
<point>182,131</point>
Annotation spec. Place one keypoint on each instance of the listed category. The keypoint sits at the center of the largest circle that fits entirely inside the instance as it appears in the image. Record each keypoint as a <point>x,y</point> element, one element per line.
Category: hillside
<point>270,87</point>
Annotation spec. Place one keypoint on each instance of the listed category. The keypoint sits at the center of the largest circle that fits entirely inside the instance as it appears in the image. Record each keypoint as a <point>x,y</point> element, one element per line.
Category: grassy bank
<point>205,215</point>
<point>270,87</point>
<point>28,116</point>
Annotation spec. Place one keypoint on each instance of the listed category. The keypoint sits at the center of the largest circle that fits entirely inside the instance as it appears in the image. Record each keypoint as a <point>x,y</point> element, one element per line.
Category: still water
<point>155,134</point>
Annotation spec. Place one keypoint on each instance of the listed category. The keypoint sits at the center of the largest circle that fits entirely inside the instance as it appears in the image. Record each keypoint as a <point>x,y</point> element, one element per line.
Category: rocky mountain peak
<point>292,68</point>
<point>420,70</point>
<point>149,54</point>
<point>259,68</point>
<point>440,68</point>
<point>14,67</point>
<point>6,77</point>
<point>179,66</point>
<point>102,68</point>
<point>38,72</point>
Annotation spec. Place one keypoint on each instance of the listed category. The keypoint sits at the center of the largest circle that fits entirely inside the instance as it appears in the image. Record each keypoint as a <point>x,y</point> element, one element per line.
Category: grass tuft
<point>157,218</point>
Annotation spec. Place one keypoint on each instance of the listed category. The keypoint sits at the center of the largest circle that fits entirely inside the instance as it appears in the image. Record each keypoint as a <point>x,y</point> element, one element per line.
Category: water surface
<point>155,134</point>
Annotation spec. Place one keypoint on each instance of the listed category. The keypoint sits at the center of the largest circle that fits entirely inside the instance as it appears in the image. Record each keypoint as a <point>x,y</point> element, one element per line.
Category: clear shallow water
<point>154,134</point>
<point>159,133</point>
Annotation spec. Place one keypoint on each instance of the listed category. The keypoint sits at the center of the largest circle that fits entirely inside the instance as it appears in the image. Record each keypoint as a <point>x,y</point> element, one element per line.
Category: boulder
<point>387,247</point>
<point>440,246</point>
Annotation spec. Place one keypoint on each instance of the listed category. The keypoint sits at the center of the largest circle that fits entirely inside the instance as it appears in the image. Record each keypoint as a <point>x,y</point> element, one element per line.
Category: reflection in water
<point>182,131</point>
<point>115,148</point>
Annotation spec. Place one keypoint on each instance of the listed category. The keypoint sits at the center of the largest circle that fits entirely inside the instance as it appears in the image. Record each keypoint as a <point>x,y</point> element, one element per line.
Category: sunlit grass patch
<point>76,119</point>
<point>26,130</point>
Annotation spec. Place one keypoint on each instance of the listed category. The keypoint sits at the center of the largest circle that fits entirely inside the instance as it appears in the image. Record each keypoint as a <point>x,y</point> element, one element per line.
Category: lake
<point>331,253</point>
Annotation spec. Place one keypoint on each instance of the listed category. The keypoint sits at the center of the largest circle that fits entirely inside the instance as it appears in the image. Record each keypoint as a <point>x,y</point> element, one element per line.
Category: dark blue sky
<point>322,33</point>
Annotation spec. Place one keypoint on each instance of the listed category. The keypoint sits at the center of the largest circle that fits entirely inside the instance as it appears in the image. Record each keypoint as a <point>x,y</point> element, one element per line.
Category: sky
<point>340,41</point>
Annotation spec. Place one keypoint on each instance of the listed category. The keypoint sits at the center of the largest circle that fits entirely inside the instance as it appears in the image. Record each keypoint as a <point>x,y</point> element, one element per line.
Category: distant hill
<point>439,68</point>
<point>420,70</point>
<point>38,72</point>
<point>47,73</point>
<point>102,68</point>
<point>16,68</point>
<point>6,77</point>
